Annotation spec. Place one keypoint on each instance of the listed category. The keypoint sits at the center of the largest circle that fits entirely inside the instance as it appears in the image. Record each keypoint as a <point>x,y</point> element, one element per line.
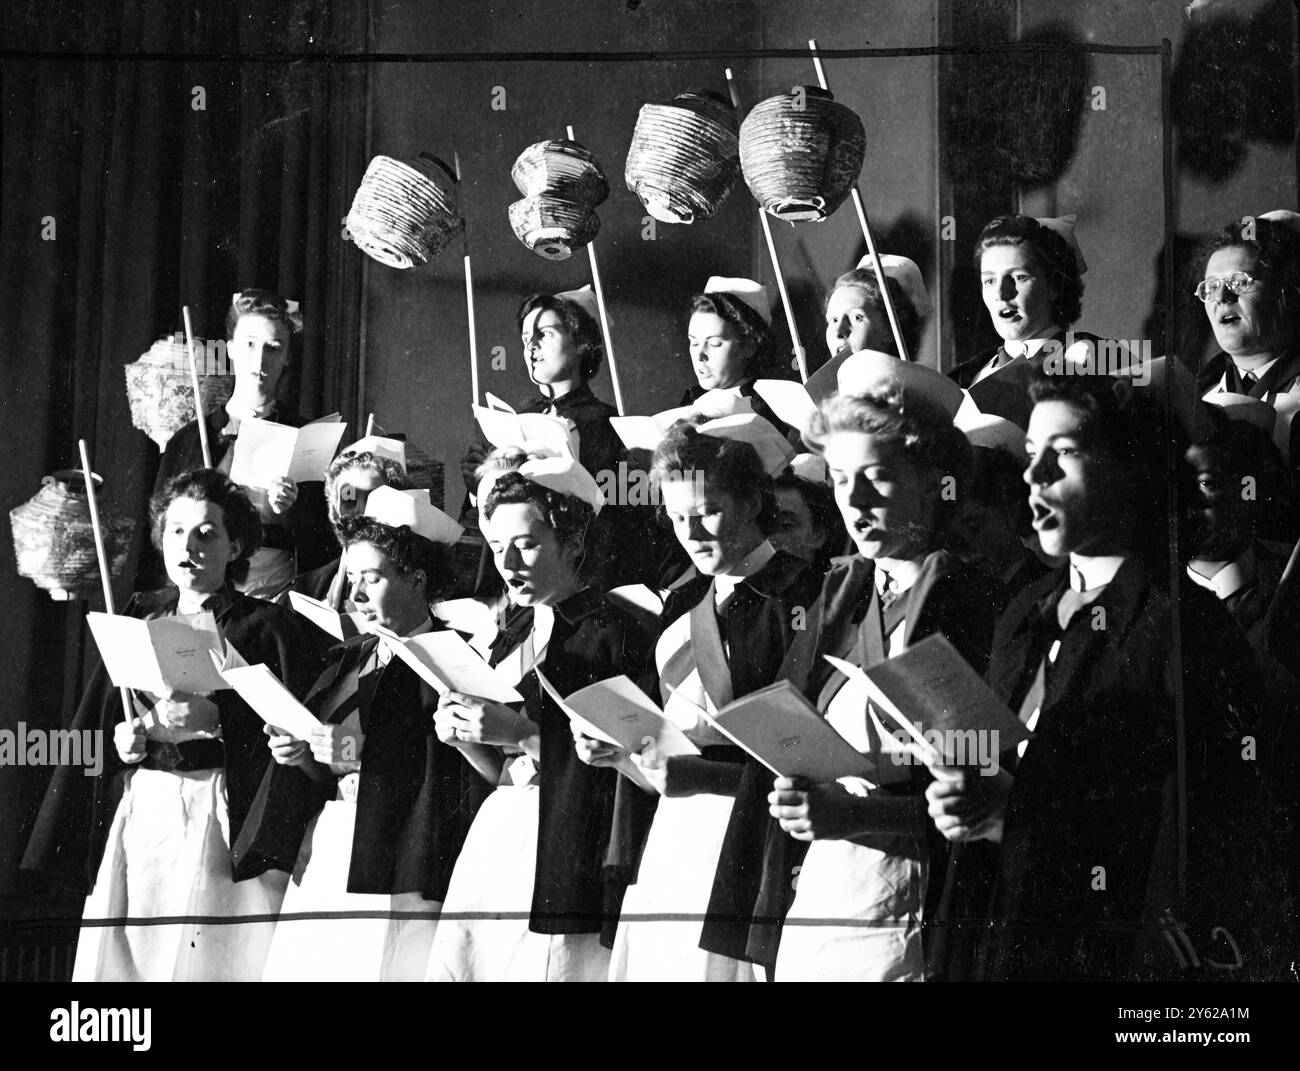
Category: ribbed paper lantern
<point>562,168</point>
<point>801,153</point>
<point>405,211</point>
<point>552,227</point>
<point>562,184</point>
<point>54,541</point>
<point>159,390</point>
<point>684,158</point>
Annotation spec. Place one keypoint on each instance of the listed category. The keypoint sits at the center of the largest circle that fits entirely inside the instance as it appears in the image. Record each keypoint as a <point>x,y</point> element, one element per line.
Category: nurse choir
<point>1113,554</point>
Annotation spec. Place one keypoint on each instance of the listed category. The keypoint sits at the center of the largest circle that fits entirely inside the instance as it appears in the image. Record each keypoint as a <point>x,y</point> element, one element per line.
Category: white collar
<point>1089,573</point>
<point>1222,386</point>
<point>1025,347</point>
<point>900,576</point>
<point>726,583</point>
<point>1224,578</point>
<point>240,413</point>
<point>543,625</point>
<point>1259,372</point>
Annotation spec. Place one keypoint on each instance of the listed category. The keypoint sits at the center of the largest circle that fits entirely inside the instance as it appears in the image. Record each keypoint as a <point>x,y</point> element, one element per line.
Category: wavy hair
<point>237,512</point>
<point>1050,250</point>
<point>728,466</point>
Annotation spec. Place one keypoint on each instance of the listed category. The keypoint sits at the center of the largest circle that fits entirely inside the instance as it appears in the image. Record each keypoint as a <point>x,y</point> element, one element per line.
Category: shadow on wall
<point>1233,84</point>
<point>1010,121</point>
<point>1192,334</point>
<point>1018,114</point>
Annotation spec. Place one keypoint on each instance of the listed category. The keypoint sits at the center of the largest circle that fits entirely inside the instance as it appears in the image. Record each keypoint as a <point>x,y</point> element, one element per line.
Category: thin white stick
<point>200,416</point>
<point>817,65</point>
<point>885,295</point>
<point>469,293</point>
<point>101,555</point>
<point>604,316</point>
<point>799,354</point>
<point>473,331</point>
<point>370,425</point>
<point>104,578</point>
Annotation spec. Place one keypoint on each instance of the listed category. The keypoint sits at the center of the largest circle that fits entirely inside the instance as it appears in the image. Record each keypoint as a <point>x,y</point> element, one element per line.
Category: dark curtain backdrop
<point>155,204</point>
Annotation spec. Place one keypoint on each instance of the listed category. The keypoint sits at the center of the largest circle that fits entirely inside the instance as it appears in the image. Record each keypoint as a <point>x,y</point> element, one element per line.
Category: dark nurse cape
<point>67,842</point>
<point>416,798</point>
<point>591,640</point>
<point>952,596</point>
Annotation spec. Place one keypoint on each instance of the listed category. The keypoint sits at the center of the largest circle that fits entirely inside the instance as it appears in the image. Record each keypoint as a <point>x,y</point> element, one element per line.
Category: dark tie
<point>889,592</point>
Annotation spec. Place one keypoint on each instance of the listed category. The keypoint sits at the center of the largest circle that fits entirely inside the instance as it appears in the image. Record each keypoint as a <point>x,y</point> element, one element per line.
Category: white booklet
<point>1275,420</point>
<point>647,432</point>
<point>266,694</point>
<point>503,427</point>
<point>932,694</point>
<point>326,618</point>
<point>796,402</point>
<point>162,655</point>
<point>616,711</point>
<point>266,451</point>
<point>781,729</point>
<point>449,664</point>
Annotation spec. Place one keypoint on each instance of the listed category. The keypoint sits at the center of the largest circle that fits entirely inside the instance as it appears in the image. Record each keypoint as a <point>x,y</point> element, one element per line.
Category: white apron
<point>484,935</point>
<point>346,937</point>
<point>168,857</point>
<point>659,927</point>
<point>856,915</point>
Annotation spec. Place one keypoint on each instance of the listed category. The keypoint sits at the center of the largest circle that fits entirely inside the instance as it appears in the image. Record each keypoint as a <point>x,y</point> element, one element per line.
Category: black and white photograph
<point>651,491</point>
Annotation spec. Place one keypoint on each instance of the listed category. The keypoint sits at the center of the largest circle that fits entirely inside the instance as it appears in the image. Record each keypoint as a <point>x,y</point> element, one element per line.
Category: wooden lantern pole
<point>100,553</point>
<point>199,414</point>
<point>800,355</point>
<point>604,315</point>
<point>885,296</point>
<point>469,288</point>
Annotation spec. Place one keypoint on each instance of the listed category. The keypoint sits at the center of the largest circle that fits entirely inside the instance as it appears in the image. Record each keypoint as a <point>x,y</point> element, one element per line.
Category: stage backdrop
<point>130,188</point>
<point>127,192</point>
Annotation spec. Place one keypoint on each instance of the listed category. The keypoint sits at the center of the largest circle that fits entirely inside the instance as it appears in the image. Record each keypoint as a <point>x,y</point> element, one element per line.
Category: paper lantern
<point>159,390</point>
<point>562,168</point>
<point>551,227</point>
<point>405,211</point>
<point>684,158</point>
<point>54,541</point>
<point>562,184</point>
<point>801,153</point>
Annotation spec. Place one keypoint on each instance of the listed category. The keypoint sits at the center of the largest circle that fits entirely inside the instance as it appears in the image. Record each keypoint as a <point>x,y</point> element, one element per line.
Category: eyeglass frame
<point>1221,281</point>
